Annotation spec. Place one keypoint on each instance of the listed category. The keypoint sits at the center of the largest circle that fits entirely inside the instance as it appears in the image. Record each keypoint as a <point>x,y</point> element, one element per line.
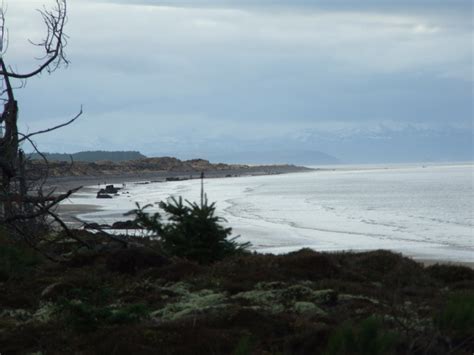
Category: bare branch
<point>6,78</point>
<point>44,209</point>
<point>33,246</point>
<point>53,44</point>
<point>67,230</point>
<point>101,231</point>
<point>28,136</point>
<point>2,28</point>
<point>29,213</point>
<point>33,144</point>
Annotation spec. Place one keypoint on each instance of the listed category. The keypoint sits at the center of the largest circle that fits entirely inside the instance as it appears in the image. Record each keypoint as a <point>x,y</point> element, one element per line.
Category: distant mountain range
<point>378,144</point>
<point>316,144</point>
<point>382,143</point>
<point>291,156</point>
<point>91,156</point>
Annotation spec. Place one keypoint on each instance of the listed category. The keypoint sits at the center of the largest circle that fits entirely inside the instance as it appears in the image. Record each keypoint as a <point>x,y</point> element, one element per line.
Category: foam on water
<point>423,212</point>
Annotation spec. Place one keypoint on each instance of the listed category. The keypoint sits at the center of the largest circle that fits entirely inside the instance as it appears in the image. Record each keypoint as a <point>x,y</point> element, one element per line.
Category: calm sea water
<point>427,212</point>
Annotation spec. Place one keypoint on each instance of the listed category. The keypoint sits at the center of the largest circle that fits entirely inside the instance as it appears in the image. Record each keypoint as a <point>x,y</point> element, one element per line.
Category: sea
<point>422,211</point>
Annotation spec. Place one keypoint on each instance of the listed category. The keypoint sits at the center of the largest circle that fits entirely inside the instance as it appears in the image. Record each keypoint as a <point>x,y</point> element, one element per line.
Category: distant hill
<point>92,156</point>
<point>162,166</point>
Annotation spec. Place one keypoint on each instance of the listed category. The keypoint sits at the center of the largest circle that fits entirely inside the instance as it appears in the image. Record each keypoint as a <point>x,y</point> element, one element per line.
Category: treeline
<point>91,156</point>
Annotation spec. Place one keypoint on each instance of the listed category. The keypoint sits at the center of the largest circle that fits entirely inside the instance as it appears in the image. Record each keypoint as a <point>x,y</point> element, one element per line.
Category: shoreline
<point>65,183</point>
<point>70,211</point>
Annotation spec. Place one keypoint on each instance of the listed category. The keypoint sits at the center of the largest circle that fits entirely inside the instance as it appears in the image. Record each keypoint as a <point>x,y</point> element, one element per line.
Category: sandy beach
<point>68,212</point>
<point>255,217</point>
<point>90,184</point>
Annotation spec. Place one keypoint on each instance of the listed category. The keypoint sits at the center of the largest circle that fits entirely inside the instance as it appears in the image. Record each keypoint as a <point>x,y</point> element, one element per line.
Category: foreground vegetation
<point>134,299</point>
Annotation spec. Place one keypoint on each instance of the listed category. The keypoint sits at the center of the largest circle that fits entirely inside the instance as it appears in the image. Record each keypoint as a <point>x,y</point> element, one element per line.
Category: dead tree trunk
<point>8,147</point>
<point>15,202</point>
<point>13,188</point>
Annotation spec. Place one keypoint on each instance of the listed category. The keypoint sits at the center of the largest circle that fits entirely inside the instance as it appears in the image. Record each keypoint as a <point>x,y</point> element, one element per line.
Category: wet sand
<point>69,212</point>
<point>90,184</point>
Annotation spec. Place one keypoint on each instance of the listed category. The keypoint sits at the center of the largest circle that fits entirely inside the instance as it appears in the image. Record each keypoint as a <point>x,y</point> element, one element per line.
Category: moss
<point>215,309</point>
<point>346,297</point>
<point>297,292</point>
<point>270,285</point>
<point>276,297</point>
<point>45,313</point>
<point>261,297</point>
<point>191,303</point>
<point>323,296</point>
<point>307,308</point>
<point>16,316</point>
<point>22,316</point>
<point>179,288</point>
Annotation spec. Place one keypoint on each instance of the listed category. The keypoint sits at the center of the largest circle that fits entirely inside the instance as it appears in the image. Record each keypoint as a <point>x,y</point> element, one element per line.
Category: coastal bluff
<point>162,166</point>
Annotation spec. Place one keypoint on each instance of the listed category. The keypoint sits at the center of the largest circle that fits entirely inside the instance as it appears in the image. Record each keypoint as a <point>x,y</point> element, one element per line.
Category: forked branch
<point>53,44</point>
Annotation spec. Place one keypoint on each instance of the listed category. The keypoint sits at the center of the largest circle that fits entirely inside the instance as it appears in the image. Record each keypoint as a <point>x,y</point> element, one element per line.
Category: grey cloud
<point>177,77</point>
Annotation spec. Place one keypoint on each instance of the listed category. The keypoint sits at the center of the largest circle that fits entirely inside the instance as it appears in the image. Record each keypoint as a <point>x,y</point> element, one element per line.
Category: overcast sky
<point>189,77</point>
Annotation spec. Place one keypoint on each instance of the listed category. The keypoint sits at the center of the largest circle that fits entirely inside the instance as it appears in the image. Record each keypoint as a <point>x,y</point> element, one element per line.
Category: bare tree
<point>17,203</point>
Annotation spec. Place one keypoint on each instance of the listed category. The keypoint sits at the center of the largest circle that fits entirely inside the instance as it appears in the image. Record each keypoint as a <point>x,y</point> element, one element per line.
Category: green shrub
<point>192,231</point>
<point>450,273</point>
<point>458,314</point>
<point>367,337</point>
<point>244,346</point>
<point>16,261</point>
<point>129,314</point>
<point>85,317</point>
<point>95,294</point>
